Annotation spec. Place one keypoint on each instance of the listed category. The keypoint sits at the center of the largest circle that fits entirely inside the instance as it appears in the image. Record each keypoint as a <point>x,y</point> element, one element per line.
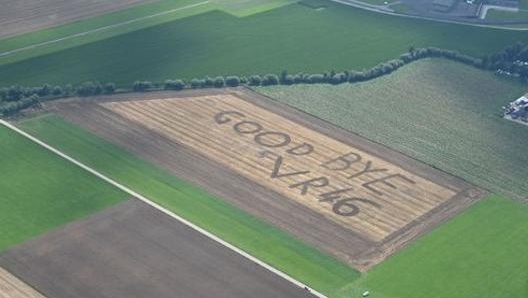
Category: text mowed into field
<point>345,195</point>
<point>349,186</point>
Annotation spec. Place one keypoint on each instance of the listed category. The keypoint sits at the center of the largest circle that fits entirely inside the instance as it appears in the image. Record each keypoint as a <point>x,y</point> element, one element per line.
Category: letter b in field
<point>343,162</point>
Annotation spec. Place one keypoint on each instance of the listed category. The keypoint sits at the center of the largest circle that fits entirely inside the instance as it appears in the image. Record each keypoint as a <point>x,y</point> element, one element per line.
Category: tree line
<point>329,77</point>
<point>512,59</point>
<point>16,98</point>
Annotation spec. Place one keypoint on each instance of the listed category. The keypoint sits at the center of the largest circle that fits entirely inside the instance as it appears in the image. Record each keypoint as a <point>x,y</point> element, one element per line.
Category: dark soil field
<point>133,250</point>
<point>23,16</point>
<point>362,237</point>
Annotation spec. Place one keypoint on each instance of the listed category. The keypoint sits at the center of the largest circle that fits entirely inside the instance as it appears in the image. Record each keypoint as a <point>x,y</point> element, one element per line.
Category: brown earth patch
<point>132,250</point>
<point>348,196</point>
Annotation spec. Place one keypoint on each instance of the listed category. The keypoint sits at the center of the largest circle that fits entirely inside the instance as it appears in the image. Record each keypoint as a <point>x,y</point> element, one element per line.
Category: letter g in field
<point>222,117</point>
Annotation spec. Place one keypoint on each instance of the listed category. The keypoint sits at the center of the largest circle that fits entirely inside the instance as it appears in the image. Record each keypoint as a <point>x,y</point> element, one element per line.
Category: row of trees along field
<point>331,77</point>
<point>513,59</point>
<point>16,98</point>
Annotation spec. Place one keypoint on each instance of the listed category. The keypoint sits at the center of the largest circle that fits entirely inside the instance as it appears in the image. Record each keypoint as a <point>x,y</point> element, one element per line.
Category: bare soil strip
<point>22,16</point>
<point>335,190</point>
<point>12,287</point>
<point>133,250</point>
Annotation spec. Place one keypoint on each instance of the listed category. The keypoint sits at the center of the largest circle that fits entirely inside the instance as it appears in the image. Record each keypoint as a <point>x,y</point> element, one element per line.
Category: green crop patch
<point>443,113</point>
<point>108,25</point>
<point>40,191</point>
<point>508,16</point>
<point>294,37</point>
<point>256,237</point>
<point>81,32</point>
<point>480,254</point>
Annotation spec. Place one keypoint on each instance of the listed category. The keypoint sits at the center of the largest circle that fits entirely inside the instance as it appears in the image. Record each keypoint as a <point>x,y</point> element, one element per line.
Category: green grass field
<point>244,8</point>
<point>252,235</point>
<point>40,191</point>
<point>444,113</point>
<point>499,15</point>
<point>171,10</point>
<point>480,254</point>
<point>401,8</point>
<point>124,21</point>
<point>217,43</point>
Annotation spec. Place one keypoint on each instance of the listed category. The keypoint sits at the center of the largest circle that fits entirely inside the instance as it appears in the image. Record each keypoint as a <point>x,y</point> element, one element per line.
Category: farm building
<point>517,109</point>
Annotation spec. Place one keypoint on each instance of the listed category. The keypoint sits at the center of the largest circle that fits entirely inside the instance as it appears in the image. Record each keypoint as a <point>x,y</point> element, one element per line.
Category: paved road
<point>485,8</point>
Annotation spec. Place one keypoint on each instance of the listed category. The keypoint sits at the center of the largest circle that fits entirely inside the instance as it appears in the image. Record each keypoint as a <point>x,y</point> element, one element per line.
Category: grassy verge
<point>40,191</point>
<point>249,233</point>
<point>480,254</point>
<point>293,38</point>
<point>441,112</point>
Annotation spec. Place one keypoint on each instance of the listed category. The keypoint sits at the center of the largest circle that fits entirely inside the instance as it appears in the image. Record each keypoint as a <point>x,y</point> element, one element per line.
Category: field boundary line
<point>164,210</point>
<point>84,33</point>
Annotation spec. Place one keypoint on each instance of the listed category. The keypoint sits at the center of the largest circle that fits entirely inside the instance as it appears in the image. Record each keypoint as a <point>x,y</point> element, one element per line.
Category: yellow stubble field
<point>358,190</point>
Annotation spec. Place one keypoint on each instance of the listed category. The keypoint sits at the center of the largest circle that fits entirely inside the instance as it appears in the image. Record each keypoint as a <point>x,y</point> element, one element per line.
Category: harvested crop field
<point>134,250</point>
<point>347,196</point>
<point>12,287</point>
<point>23,16</point>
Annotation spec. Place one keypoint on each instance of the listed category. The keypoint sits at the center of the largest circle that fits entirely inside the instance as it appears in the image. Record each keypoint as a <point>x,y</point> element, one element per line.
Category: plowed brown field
<point>346,195</point>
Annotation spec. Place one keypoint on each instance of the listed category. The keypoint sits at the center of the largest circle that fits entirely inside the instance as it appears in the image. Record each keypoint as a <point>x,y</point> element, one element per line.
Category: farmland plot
<point>133,250</point>
<point>341,193</point>
<point>23,16</point>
